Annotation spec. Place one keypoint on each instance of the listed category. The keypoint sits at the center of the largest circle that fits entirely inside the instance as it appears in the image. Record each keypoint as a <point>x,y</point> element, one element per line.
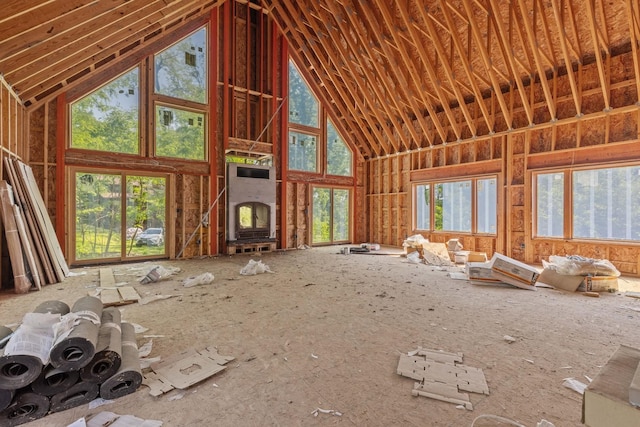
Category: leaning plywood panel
<point>25,175</point>
<point>32,229</point>
<point>21,282</point>
<point>34,264</point>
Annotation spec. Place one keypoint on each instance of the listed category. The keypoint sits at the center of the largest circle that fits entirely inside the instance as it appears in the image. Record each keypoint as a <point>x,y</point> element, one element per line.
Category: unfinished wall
<point>246,89</point>
<point>12,144</point>
<point>597,136</point>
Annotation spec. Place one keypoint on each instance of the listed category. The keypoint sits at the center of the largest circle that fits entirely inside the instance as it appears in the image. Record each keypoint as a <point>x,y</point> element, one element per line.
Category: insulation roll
<point>26,407</point>
<point>79,394</point>
<point>129,376</point>
<point>18,370</point>
<point>76,350</point>
<point>53,307</point>
<point>52,381</point>
<point>107,359</point>
<point>6,396</point>
<point>5,333</point>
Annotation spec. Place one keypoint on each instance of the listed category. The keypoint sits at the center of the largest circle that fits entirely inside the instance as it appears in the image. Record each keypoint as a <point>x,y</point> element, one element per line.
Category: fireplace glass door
<point>252,221</point>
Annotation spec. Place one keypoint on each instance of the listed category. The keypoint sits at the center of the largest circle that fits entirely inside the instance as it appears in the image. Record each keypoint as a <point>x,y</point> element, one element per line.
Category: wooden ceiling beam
<point>604,84</point>
<point>509,57</point>
<point>359,82</point>
<point>552,61</point>
<point>79,42</point>
<point>17,8</point>
<point>577,50</point>
<point>116,54</point>
<point>39,23</point>
<point>529,30</point>
<point>446,65</point>
<point>360,50</point>
<point>634,31</point>
<point>431,72</point>
<point>374,140</point>
<point>409,97</point>
<point>407,65</point>
<point>466,66</point>
<point>564,47</point>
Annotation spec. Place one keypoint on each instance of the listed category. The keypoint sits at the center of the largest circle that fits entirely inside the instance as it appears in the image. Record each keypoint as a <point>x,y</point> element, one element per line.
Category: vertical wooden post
<point>284,116</point>
<point>213,130</point>
<point>61,138</point>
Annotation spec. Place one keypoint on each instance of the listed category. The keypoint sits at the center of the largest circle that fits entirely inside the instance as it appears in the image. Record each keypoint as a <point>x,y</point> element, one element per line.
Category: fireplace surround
<point>251,204</point>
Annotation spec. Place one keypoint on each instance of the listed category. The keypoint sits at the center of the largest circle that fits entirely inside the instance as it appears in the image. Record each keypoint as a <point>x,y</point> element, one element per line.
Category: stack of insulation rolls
<point>91,354</point>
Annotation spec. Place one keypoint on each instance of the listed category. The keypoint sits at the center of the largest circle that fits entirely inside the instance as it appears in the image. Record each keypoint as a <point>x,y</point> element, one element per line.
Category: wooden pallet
<point>245,248</point>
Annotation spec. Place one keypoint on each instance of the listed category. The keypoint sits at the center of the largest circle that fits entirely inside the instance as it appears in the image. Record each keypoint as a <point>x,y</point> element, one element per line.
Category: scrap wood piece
<point>184,370</point>
<point>106,278</point>
<point>22,283</point>
<point>118,296</point>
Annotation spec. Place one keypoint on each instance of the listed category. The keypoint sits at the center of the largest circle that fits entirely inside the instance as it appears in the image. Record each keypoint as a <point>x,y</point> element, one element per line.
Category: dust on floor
<point>325,330</point>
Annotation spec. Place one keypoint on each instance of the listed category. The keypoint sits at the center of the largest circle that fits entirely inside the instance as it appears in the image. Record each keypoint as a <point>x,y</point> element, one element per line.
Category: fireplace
<point>251,204</point>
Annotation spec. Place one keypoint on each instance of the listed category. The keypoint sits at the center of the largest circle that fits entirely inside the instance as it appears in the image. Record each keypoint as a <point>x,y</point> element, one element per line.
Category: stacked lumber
<point>61,357</point>
<point>35,254</point>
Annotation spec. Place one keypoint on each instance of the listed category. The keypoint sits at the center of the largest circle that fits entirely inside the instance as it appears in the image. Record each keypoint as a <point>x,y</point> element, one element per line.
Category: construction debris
<point>441,376</point>
<point>184,370</point>
<point>61,358</point>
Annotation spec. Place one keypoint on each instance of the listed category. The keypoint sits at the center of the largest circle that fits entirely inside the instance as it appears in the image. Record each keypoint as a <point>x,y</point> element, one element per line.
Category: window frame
<point>321,135</point>
<point>568,200</point>
<point>474,204</point>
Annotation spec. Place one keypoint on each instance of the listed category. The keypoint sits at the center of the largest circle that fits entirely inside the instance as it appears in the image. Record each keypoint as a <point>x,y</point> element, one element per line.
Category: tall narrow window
<point>486,205</point>
<point>422,207</point>
<point>550,204</point>
<point>304,108</point>
<point>453,206</point>
<point>339,157</point>
<point>107,119</point>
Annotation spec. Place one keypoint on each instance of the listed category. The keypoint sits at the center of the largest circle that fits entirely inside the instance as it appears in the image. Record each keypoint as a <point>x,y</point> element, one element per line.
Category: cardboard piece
<point>441,376</point>
<point>184,370</point>
<point>606,399</point>
<point>560,281</point>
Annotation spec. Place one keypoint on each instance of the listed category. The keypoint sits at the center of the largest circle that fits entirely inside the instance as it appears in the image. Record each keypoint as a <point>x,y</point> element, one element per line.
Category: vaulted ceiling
<point>397,74</point>
<point>404,74</point>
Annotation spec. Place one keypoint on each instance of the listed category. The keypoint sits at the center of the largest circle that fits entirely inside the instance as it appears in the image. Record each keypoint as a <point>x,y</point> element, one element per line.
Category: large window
<point>604,203</point>
<point>331,212</point>
<point>307,126</point>
<point>465,206</point>
<point>180,78</point>
<point>107,119</point>
<point>118,216</point>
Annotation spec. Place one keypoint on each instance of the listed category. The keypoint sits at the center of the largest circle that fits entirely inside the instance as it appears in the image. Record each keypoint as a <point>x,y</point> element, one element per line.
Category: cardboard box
<point>477,256</point>
<point>605,402</point>
<point>514,272</point>
<point>599,284</point>
<point>479,271</point>
<point>560,281</point>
